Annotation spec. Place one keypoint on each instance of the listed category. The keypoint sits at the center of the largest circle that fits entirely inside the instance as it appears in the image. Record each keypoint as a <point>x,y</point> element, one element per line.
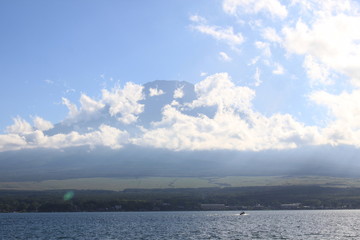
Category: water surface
<point>326,224</point>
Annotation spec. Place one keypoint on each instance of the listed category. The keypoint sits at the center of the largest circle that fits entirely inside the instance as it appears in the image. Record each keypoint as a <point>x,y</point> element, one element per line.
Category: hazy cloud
<point>225,34</point>
<point>197,19</point>
<point>224,57</point>
<point>279,69</point>
<point>257,77</point>
<point>273,7</point>
<point>265,47</point>
<point>271,35</point>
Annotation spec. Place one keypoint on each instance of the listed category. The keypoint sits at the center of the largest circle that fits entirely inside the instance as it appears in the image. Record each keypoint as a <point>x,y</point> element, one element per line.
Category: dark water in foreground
<point>327,224</point>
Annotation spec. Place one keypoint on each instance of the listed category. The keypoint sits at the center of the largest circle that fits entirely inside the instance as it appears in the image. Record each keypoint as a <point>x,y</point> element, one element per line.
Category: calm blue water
<point>326,224</point>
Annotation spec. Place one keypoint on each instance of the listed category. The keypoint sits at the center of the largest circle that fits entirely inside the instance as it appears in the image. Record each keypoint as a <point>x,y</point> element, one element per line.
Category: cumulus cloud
<point>272,7</point>
<point>236,125</point>
<point>252,132</point>
<point>322,41</point>
<point>41,124</point>
<point>12,141</point>
<point>219,90</point>
<point>89,109</point>
<point>179,92</point>
<point>124,103</point>
<point>155,92</point>
<point>344,116</point>
<point>104,136</point>
<point>19,126</point>
<point>89,105</point>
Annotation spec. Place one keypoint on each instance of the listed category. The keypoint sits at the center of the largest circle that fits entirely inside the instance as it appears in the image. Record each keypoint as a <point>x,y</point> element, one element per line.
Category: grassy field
<point>118,184</point>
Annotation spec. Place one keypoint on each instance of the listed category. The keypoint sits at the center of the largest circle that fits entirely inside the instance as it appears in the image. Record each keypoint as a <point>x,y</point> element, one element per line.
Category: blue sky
<point>299,59</point>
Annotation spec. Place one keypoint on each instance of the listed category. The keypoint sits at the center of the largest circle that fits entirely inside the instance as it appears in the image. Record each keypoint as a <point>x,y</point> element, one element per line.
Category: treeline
<point>308,197</point>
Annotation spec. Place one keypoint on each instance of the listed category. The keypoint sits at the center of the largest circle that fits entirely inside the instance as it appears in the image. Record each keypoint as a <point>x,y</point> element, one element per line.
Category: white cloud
<point>225,34</point>
<point>257,77</point>
<point>226,130</point>
<point>48,81</point>
<point>273,7</point>
<point>343,107</point>
<point>224,57</point>
<point>235,126</point>
<point>112,137</point>
<point>89,105</point>
<point>179,93</point>
<point>104,136</point>
<point>271,35</point>
<point>328,7</point>
<point>318,73</point>
<point>218,90</point>
<point>11,142</point>
<point>279,69</point>
<point>203,74</point>
<point>124,102</point>
<point>344,116</point>
<point>73,111</point>
<point>89,109</point>
<point>41,124</point>
<point>254,60</point>
<point>333,40</point>
<point>20,126</point>
<point>155,92</point>
<point>197,19</point>
<point>265,47</point>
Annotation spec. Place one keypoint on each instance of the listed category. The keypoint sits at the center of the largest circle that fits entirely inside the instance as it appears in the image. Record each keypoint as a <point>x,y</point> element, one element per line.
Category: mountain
<point>163,94</point>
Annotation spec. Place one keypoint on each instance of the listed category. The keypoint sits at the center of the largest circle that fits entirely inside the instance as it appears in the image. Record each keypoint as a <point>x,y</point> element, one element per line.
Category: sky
<point>281,74</point>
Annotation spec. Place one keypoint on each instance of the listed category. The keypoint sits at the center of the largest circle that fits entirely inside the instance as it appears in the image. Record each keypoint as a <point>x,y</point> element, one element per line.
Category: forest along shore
<point>181,199</point>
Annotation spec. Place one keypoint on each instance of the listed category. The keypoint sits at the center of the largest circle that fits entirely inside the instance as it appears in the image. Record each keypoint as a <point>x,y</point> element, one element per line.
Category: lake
<point>311,224</point>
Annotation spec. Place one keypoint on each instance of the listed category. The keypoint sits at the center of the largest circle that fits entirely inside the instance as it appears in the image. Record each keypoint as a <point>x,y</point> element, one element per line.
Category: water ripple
<point>182,225</point>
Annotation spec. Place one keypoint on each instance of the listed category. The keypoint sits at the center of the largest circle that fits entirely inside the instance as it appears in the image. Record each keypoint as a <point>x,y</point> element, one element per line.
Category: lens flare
<point>68,196</point>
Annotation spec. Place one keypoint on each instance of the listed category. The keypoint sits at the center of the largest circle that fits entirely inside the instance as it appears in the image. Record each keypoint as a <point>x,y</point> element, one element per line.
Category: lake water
<point>327,224</point>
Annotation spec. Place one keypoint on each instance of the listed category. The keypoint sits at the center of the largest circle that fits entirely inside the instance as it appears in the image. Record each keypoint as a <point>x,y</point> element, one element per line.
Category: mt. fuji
<point>172,129</point>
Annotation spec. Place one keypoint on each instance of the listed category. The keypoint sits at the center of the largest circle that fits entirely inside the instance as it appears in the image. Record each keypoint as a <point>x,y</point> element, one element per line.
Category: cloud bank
<point>236,125</point>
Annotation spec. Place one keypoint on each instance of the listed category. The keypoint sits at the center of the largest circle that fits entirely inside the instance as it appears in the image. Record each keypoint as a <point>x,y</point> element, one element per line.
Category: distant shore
<point>182,199</point>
